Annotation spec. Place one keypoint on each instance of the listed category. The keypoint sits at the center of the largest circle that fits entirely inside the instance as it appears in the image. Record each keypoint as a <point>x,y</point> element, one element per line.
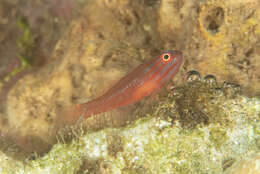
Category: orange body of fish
<point>141,82</point>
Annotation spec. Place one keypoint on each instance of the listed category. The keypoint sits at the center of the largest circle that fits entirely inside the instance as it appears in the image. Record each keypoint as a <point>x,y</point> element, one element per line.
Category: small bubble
<point>210,79</point>
<point>177,91</point>
<point>192,76</point>
<point>231,85</point>
<point>219,92</point>
<point>231,88</point>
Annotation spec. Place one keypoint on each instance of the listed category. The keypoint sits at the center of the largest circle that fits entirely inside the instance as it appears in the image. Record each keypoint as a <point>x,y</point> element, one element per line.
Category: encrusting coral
<point>200,127</point>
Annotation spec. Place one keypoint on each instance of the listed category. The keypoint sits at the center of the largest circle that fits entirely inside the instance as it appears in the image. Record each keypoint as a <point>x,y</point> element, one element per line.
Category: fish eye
<point>166,57</point>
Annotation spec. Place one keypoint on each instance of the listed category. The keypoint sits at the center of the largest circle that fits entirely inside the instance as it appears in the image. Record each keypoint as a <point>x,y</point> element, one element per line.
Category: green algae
<point>165,141</point>
<point>218,136</point>
<point>26,45</point>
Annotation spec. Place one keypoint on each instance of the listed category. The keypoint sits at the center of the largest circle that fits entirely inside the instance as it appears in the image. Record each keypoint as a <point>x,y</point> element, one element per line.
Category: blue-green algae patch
<point>200,128</point>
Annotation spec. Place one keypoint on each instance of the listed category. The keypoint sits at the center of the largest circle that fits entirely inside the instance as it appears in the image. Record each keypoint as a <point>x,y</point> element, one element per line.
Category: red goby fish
<point>141,82</point>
